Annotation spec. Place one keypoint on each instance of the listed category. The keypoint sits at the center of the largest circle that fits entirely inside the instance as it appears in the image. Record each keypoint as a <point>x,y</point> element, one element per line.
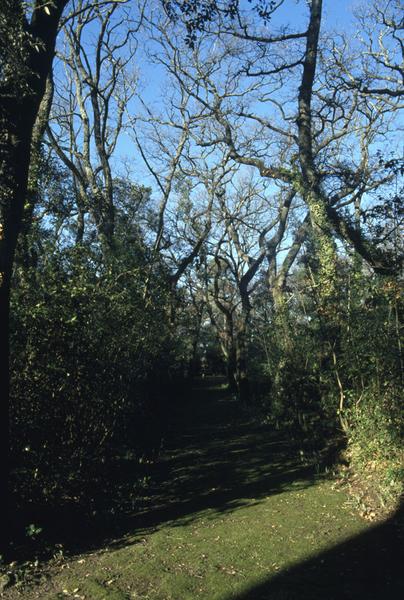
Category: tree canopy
<point>241,217</point>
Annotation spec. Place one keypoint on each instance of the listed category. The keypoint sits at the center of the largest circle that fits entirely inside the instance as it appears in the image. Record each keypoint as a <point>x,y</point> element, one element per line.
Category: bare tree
<point>244,239</point>
<point>376,69</point>
<point>186,181</point>
<point>287,119</point>
<point>95,82</point>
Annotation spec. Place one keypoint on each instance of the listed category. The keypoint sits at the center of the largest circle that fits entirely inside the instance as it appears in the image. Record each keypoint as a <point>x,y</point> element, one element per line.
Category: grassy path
<point>233,515</point>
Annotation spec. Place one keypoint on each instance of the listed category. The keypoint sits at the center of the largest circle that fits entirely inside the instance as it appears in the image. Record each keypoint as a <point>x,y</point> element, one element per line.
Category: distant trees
<point>269,98</point>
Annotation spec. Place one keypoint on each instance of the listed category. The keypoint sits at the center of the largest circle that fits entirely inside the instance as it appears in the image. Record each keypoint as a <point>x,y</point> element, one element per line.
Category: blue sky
<point>336,13</point>
<point>337,16</point>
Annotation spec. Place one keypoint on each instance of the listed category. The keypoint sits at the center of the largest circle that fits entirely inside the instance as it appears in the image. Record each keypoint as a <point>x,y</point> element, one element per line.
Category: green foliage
<point>86,346</point>
<point>295,366</point>
<point>33,530</point>
<point>342,380</point>
<point>15,46</point>
<point>375,443</point>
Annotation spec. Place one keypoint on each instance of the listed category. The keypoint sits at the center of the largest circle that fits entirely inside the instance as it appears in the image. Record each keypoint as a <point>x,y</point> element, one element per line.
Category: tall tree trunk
<point>321,212</point>
<point>34,173</point>
<point>18,114</point>
<point>15,149</point>
<point>193,363</point>
<point>322,228</point>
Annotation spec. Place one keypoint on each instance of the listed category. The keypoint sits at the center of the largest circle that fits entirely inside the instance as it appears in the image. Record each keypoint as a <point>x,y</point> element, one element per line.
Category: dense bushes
<point>346,385</point>
<point>86,345</point>
<point>375,448</point>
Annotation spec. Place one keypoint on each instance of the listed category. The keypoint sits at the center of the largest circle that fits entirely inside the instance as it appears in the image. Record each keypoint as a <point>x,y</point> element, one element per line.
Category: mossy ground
<point>232,514</point>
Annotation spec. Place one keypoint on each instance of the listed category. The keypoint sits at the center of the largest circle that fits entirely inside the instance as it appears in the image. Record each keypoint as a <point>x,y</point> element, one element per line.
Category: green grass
<point>219,555</point>
<point>232,508</point>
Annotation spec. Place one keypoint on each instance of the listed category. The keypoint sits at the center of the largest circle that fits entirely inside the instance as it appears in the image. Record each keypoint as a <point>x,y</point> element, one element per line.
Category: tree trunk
<point>243,383</point>
<point>231,358</point>
<point>34,173</point>
<point>231,370</point>
<point>18,114</point>
<point>322,228</point>
<point>15,155</point>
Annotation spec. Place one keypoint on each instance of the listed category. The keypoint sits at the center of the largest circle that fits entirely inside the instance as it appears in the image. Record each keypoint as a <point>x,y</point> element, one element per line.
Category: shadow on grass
<point>366,567</point>
<point>215,459</point>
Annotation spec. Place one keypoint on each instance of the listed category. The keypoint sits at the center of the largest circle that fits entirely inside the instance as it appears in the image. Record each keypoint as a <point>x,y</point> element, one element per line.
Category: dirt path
<point>233,515</point>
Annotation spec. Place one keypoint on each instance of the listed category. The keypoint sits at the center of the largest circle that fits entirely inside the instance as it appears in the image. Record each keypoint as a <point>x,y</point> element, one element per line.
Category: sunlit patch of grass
<point>216,555</point>
<point>236,508</point>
